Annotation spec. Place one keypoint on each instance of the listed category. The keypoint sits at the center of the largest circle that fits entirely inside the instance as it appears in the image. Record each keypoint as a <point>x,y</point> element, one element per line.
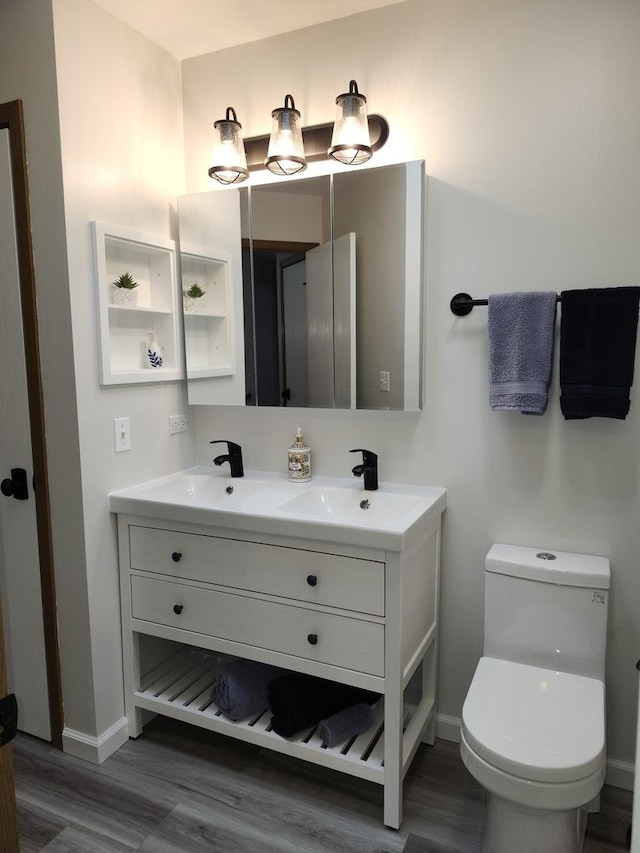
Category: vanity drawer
<point>311,576</point>
<point>324,637</point>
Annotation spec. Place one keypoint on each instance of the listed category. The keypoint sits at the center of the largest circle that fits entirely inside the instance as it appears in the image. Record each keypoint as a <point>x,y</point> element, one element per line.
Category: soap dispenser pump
<point>299,466</point>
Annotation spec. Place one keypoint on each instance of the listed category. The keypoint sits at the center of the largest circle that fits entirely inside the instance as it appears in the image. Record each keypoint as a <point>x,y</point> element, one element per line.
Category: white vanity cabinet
<point>365,616</point>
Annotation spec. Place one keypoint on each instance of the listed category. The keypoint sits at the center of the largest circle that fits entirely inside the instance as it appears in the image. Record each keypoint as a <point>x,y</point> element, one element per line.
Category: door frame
<point>9,840</point>
<point>12,119</point>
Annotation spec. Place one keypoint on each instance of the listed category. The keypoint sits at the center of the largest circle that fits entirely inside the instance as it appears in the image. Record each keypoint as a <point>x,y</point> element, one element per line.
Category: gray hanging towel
<point>521,334</point>
<point>598,328</point>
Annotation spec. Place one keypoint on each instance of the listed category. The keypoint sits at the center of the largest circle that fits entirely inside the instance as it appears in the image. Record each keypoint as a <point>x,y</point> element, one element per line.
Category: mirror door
<point>359,321</point>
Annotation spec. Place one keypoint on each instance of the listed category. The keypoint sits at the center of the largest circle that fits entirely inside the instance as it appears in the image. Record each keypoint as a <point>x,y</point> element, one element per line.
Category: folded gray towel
<point>521,334</point>
<point>241,687</point>
<point>345,724</point>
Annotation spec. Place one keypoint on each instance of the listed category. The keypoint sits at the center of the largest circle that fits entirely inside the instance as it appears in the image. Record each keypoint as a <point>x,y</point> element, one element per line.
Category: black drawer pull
<point>312,639</point>
<point>177,609</point>
<point>312,580</point>
<point>176,556</point>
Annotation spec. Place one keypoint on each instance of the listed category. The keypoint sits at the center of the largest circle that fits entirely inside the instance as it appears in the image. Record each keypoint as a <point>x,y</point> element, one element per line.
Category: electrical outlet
<point>178,423</point>
<point>121,434</point>
<point>385,380</point>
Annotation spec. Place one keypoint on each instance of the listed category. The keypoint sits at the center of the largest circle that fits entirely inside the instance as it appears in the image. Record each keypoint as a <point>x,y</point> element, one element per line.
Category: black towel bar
<point>462,304</point>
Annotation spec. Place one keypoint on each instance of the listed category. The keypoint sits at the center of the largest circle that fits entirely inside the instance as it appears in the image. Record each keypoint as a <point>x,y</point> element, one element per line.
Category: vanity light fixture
<point>285,155</point>
<point>228,158</point>
<point>351,142</point>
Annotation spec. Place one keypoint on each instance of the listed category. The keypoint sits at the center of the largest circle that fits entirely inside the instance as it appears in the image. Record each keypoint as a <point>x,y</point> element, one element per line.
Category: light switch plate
<point>121,434</point>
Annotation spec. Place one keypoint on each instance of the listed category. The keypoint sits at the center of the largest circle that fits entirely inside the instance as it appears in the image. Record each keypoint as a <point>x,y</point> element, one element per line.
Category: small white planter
<point>194,305</point>
<point>123,296</point>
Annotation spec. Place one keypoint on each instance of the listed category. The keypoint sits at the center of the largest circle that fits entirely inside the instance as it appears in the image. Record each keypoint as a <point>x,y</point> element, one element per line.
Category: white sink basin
<point>352,506</point>
<point>327,508</point>
<point>196,487</point>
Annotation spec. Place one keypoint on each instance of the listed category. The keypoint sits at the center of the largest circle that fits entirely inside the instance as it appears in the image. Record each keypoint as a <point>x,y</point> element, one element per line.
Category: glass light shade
<point>351,142</point>
<point>228,158</point>
<point>286,149</point>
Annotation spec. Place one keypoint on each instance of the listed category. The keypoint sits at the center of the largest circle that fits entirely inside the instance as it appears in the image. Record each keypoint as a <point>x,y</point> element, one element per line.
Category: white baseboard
<point>95,749</point>
<point>448,728</point>
<point>619,773</point>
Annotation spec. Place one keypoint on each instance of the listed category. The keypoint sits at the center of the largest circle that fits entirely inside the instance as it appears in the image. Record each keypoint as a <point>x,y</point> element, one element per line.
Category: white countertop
<point>323,508</point>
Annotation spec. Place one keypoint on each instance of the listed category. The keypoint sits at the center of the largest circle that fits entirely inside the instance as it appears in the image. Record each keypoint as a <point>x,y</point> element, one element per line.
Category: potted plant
<point>124,290</point>
<point>193,299</point>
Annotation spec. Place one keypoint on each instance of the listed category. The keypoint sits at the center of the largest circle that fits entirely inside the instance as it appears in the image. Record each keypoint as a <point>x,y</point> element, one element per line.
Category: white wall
<point>27,72</point>
<point>106,103</point>
<point>121,132</point>
<point>526,113</point>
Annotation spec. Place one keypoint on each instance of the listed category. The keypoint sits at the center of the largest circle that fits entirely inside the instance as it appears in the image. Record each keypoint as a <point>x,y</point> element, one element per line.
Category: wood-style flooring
<point>180,789</point>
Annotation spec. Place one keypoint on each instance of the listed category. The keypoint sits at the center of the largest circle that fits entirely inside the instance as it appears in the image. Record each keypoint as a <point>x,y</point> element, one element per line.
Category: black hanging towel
<point>598,329</point>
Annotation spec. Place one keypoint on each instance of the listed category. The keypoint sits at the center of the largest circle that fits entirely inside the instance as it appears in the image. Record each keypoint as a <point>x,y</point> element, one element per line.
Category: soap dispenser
<point>299,466</point>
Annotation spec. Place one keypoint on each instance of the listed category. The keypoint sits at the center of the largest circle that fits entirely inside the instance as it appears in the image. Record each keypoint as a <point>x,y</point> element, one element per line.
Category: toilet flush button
<point>546,555</point>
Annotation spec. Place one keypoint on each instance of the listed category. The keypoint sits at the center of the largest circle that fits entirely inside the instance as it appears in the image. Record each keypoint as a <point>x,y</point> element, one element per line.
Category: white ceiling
<point>192,27</point>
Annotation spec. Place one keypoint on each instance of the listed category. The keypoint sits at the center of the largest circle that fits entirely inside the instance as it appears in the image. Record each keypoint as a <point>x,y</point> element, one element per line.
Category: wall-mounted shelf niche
<point>154,306</point>
<point>207,321</point>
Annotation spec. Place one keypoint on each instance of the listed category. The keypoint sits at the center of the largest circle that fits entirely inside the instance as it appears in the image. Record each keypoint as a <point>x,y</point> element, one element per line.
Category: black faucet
<point>368,470</point>
<point>233,457</point>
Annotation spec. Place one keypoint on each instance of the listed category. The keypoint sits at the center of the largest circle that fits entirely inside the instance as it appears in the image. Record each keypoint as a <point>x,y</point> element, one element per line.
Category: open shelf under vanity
<point>182,687</point>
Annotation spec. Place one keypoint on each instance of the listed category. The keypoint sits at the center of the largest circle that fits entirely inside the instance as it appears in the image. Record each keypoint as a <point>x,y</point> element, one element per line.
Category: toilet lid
<point>535,723</point>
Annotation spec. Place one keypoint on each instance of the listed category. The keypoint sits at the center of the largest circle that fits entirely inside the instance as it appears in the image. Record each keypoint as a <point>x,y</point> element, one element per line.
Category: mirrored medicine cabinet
<point>308,292</point>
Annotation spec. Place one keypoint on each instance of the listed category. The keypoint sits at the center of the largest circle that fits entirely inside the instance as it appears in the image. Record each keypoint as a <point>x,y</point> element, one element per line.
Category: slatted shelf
<point>182,687</point>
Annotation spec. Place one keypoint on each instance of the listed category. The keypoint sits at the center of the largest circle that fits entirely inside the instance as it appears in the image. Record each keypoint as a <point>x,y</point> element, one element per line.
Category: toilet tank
<point>547,608</point>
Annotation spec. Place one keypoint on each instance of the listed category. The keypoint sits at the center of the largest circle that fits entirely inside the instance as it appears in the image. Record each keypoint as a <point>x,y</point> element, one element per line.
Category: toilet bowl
<point>534,735</point>
<point>534,739</point>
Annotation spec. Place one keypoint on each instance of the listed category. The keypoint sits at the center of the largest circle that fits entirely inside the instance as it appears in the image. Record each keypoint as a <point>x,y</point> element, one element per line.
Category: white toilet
<point>533,722</point>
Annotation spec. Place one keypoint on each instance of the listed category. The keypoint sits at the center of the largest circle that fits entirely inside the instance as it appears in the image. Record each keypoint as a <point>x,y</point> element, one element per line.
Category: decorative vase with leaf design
<point>154,353</point>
